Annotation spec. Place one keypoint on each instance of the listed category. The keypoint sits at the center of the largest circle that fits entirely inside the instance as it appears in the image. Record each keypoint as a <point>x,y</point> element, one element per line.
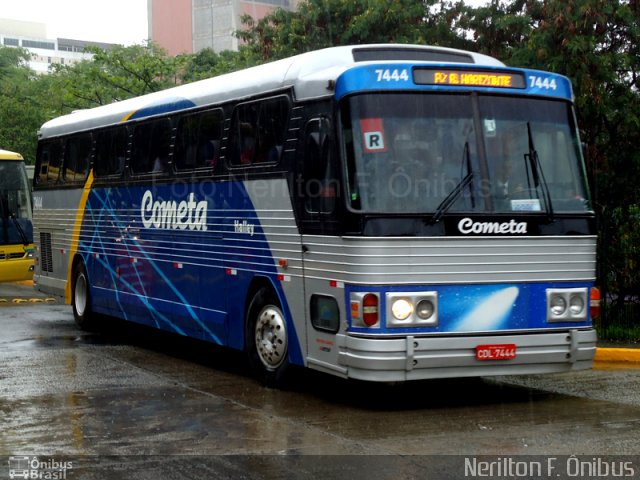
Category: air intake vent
<point>409,54</point>
<point>46,261</point>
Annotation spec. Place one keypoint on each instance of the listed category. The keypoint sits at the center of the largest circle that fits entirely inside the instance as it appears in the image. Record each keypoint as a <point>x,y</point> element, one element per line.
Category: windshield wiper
<point>537,175</point>
<point>453,195</point>
<point>23,235</point>
<point>4,209</point>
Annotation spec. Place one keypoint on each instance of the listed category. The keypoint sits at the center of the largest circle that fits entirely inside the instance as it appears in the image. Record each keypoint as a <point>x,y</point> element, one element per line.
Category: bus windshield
<point>436,153</point>
<point>15,204</point>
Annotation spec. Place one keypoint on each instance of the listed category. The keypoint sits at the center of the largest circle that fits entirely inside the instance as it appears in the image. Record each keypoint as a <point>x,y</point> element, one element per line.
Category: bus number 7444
<point>545,83</point>
<point>392,75</point>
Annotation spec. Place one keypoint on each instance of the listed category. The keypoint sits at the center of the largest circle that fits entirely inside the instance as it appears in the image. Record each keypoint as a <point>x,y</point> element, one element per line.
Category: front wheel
<point>81,298</point>
<point>266,338</point>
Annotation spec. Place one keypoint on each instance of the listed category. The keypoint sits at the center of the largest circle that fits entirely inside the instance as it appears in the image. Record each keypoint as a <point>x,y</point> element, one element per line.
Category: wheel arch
<point>77,258</point>
<point>258,282</point>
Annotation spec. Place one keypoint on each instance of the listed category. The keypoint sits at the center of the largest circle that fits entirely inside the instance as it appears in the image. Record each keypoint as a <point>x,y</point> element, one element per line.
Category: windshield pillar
<point>482,153</point>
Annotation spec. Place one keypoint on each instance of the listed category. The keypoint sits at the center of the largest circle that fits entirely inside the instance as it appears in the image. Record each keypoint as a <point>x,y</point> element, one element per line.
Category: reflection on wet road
<point>129,391</point>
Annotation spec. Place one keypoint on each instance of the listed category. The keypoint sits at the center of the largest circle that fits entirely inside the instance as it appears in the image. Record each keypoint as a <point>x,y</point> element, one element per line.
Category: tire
<point>81,298</point>
<point>266,339</point>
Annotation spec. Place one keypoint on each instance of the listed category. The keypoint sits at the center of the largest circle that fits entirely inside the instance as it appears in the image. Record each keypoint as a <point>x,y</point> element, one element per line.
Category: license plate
<point>506,351</point>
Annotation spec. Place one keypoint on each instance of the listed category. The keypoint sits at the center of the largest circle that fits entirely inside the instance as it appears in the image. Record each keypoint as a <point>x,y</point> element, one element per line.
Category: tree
<point>325,23</point>
<point>20,108</point>
<point>116,74</point>
<point>501,29</point>
<point>207,63</point>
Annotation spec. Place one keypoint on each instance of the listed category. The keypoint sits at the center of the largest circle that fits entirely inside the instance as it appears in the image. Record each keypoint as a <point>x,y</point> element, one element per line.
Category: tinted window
<point>320,182</point>
<point>76,158</point>
<point>258,131</point>
<point>111,151</point>
<point>49,161</point>
<point>198,140</point>
<point>151,142</point>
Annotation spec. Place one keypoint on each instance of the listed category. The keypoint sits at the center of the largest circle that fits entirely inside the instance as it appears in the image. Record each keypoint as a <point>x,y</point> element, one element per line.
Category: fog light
<point>425,310</point>
<point>558,305</point>
<point>576,305</point>
<point>401,309</point>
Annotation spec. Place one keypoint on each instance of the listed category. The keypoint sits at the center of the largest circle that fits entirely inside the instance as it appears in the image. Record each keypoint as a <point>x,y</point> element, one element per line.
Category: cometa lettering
<point>173,215</point>
<point>468,226</point>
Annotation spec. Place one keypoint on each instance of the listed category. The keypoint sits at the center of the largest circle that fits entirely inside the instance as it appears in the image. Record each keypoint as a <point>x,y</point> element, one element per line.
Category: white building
<point>45,52</point>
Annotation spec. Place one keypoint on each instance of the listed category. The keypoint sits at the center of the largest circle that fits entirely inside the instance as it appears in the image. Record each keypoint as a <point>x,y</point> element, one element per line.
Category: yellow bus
<point>16,228</point>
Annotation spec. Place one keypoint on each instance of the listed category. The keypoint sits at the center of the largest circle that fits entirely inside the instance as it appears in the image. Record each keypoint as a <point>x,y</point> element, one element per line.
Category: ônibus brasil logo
<point>172,215</point>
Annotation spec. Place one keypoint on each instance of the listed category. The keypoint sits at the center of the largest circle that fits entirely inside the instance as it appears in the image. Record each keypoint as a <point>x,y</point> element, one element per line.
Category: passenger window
<point>50,161</point>
<point>258,131</point>
<point>111,151</point>
<point>150,149</point>
<point>76,158</point>
<point>198,140</point>
<point>320,183</point>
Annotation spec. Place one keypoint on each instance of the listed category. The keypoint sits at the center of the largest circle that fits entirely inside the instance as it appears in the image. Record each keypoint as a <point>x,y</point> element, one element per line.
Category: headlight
<point>567,304</point>
<point>401,309</point>
<point>425,310</point>
<point>576,304</point>
<point>411,309</point>
<point>558,305</point>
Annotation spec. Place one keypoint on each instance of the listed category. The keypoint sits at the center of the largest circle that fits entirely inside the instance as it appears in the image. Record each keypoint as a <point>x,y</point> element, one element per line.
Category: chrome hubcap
<point>271,337</point>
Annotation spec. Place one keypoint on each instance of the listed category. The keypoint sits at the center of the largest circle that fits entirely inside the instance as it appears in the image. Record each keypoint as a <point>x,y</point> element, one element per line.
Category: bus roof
<point>308,73</point>
<point>7,155</point>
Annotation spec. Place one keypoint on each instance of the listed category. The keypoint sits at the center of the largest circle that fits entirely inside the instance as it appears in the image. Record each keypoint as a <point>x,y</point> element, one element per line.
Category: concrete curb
<point>630,355</point>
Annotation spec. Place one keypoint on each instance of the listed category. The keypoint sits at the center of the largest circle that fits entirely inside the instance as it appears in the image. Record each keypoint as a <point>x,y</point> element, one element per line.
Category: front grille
<point>12,256</point>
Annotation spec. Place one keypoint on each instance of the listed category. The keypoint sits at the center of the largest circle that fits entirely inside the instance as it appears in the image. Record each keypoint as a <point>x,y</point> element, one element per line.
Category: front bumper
<point>419,357</point>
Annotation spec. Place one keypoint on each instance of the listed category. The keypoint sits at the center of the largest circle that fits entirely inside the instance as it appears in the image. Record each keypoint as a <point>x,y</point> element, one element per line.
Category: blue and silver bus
<point>377,212</point>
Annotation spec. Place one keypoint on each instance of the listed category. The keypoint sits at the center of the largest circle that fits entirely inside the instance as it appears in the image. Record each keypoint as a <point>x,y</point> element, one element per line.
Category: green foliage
<point>325,23</point>
<point>501,29</point>
<point>620,242</point>
<point>207,63</point>
<point>116,74</point>
<point>21,109</point>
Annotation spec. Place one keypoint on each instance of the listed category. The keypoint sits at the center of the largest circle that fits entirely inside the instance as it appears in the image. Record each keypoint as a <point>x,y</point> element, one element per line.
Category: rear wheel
<point>81,298</point>
<point>266,338</point>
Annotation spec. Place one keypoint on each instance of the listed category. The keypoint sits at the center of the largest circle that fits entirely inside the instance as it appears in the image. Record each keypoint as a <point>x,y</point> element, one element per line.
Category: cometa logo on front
<point>467,226</point>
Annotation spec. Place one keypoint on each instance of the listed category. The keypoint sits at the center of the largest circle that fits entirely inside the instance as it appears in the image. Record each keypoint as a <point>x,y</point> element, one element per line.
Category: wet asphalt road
<point>127,399</point>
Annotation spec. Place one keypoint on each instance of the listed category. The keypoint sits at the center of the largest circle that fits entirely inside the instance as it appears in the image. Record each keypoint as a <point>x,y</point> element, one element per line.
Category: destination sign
<point>468,78</point>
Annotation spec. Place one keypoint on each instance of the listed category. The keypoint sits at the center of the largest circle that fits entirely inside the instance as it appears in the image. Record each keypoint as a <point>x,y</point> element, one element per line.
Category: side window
<point>198,140</point>
<point>76,158</point>
<point>111,151</point>
<point>150,148</point>
<point>320,181</point>
<point>49,161</point>
<point>258,131</point>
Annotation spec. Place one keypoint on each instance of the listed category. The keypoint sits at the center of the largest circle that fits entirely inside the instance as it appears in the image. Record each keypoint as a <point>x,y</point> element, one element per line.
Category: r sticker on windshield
<point>373,135</point>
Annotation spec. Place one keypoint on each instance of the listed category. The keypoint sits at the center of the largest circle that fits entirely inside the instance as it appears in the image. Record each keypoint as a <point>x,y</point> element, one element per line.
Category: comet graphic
<point>491,313</point>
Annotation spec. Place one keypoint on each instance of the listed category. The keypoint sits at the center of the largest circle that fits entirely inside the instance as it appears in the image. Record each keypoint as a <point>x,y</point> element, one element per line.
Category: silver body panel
<point>415,358</point>
<point>450,260</point>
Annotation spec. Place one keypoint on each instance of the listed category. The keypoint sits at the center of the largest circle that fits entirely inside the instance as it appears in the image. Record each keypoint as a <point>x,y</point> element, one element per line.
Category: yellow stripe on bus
<point>128,116</point>
<point>75,237</point>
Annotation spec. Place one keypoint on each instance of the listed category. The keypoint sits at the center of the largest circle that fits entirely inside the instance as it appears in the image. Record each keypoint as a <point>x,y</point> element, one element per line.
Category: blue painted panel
<point>480,308</point>
<point>399,77</point>
<point>179,257</point>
